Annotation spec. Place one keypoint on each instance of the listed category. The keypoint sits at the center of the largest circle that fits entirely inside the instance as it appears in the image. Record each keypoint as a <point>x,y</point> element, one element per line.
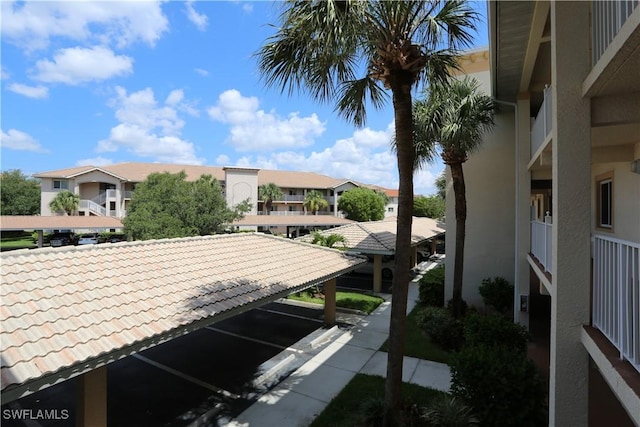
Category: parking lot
<point>220,369</point>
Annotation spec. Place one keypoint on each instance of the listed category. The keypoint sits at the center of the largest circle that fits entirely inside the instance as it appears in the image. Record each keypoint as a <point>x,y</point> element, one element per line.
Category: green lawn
<point>417,344</point>
<point>352,300</point>
<point>10,243</point>
<point>346,408</point>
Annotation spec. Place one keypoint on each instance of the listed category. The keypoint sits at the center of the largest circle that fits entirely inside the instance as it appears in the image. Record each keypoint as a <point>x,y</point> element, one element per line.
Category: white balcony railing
<point>541,127</point>
<point>616,294</point>
<point>541,242</point>
<point>292,213</point>
<point>292,198</point>
<point>607,18</point>
<point>93,207</point>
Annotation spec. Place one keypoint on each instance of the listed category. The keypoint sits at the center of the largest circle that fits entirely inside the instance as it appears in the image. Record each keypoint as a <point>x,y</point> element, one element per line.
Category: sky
<point>104,82</point>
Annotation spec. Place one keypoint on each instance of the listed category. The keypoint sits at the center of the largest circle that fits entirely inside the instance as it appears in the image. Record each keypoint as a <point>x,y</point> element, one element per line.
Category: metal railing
<point>93,207</point>
<point>292,213</point>
<point>292,198</point>
<point>616,294</point>
<point>607,18</point>
<point>541,242</point>
<point>541,127</point>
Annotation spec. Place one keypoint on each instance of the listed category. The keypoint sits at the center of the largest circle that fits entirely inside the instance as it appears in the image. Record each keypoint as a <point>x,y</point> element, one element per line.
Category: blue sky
<point>171,82</point>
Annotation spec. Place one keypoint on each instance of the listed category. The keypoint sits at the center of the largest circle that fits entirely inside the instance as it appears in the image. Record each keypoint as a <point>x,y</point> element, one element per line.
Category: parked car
<point>61,239</point>
<point>88,239</point>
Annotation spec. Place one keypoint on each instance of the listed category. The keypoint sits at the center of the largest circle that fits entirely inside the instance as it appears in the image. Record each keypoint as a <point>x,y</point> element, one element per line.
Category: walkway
<point>301,397</point>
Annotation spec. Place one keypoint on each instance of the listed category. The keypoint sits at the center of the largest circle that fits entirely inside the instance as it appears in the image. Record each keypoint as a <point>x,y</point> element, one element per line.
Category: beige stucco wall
<point>242,184</point>
<point>626,201</point>
<point>490,227</point>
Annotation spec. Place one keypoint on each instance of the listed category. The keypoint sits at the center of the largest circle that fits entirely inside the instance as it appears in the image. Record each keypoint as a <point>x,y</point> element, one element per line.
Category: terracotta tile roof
<point>380,236</point>
<point>137,172</point>
<point>58,222</point>
<point>293,220</point>
<point>81,307</point>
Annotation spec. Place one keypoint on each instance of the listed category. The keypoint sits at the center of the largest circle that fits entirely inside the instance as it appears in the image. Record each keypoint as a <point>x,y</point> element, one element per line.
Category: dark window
<point>605,203</point>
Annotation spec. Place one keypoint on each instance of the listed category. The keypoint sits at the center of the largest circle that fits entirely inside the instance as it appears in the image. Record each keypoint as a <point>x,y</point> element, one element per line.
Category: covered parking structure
<point>69,312</point>
<point>378,238</point>
<point>293,223</point>
<point>40,224</point>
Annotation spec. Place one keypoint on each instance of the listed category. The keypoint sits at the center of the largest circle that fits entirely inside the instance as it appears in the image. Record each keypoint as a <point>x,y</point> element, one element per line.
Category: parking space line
<point>211,328</point>
<point>290,315</point>
<point>186,377</point>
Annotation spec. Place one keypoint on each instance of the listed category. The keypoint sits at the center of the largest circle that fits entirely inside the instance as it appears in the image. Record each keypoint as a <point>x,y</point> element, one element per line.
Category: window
<point>604,201</point>
<point>390,209</point>
<point>59,184</point>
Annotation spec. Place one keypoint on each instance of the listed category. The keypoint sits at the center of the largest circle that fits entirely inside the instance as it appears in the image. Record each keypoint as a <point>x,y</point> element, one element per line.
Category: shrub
<point>448,411</point>
<point>503,386</point>
<point>465,307</point>
<point>431,287</point>
<point>372,411</point>
<point>495,331</point>
<point>441,327</point>
<point>497,293</point>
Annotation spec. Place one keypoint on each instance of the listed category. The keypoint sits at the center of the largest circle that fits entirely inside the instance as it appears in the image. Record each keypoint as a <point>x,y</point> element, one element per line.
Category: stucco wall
<point>490,227</point>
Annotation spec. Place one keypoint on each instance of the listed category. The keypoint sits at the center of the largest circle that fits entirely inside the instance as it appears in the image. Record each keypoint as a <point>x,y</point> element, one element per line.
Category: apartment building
<point>107,190</point>
<point>554,194</point>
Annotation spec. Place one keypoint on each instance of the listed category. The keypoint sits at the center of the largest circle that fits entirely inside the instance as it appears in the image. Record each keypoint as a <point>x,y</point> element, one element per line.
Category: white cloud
<point>17,140</point>
<point>247,7</point>
<point>149,129</point>
<point>32,25</point>
<point>80,65</point>
<point>253,129</point>
<point>223,159</point>
<point>4,74</point>
<point>202,72</point>
<point>96,161</point>
<point>198,19</point>
<point>37,92</point>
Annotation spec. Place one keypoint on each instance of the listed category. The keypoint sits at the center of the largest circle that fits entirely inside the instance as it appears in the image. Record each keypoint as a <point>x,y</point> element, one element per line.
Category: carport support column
<point>377,273</point>
<point>414,256</point>
<point>330,302</point>
<point>92,399</point>
<point>40,241</point>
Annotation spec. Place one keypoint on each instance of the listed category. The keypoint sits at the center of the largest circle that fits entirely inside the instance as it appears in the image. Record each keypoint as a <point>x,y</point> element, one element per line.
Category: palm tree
<point>328,241</point>
<point>314,201</point>
<point>65,201</point>
<point>322,46</point>
<point>454,117</point>
<point>268,193</point>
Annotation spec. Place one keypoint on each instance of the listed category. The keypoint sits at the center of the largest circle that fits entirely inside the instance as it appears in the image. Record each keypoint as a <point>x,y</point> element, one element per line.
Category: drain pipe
<point>516,272</point>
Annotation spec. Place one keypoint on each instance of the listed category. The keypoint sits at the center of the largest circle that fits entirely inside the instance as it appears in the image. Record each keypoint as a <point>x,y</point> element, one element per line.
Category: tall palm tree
<point>322,46</point>
<point>314,201</point>
<point>268,193</point>
<point>454,117</point>
<point>65,201</point>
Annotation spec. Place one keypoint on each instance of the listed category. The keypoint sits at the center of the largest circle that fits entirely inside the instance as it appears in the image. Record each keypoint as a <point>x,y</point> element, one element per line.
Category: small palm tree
<point>65,201</point>
<point>454,117</point>
<point>268,193</point>
<point>314,201</point>
<point>328,241</point>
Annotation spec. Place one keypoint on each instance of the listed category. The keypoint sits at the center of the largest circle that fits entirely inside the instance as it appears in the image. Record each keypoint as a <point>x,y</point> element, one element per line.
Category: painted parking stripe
<point>232,334</point>
<point>186,377</point>
<point>297,316</point>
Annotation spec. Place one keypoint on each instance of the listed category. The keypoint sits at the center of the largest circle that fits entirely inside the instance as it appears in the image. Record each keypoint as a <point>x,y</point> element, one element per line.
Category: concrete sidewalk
<point>297,400</point>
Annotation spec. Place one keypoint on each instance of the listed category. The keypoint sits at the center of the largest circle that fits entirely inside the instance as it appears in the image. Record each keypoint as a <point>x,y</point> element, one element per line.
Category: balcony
<point>541,127</point>
<point>616,295</point>
<point>541,242</point>
<point>292,213</point>
<point>607,18</point>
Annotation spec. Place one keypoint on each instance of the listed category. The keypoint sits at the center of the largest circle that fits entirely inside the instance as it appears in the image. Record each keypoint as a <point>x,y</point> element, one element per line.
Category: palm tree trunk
<point>406,154</point>
<point>459,192</point>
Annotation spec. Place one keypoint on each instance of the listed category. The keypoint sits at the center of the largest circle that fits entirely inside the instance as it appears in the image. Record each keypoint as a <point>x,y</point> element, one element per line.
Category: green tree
<point>322,47</point>
<point>314,201</point>
<point>166,205</point>
<point>65,201</point>
<point>428,206</point>
<point>268,193</point>
<point>362,204</point>
<point>329,240</point>
<point>19,194</point>
<point>441,185</point>
<point>455,117</point>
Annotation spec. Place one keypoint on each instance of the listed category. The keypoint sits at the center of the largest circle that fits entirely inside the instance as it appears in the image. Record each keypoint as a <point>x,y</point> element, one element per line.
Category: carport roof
<point>380,236</point>
<point>66,311</point>
<point>57,222</point>
<point>292,220</point>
